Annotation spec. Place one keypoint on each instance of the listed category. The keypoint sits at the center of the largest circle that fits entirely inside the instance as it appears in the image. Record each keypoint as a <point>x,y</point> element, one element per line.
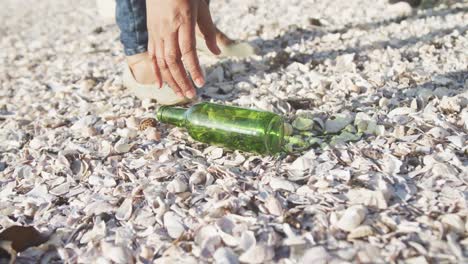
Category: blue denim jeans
<point>131,19</point>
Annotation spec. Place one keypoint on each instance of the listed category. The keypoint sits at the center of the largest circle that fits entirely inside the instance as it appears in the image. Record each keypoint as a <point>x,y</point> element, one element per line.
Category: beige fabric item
<point>236,50</point>
<point>164,96</point>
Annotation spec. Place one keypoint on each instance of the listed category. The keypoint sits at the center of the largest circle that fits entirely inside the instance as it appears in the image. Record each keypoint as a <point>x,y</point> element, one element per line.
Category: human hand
<point>171,31</point>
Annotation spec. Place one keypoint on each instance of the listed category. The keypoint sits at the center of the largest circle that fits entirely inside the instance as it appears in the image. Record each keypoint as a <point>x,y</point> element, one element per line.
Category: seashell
<point>338,122</point>
<point>274,206</point>
<point>132,123</point>
<point>216,153</point>
<point>117,254</point>
<point>216,75</point>
<point>302,123</point>
<point>257,254</point>
<point>360,232</point>
<point>352,218</point>
<point>316,255</point>
<point>225,230</point>
<point>438,132</point>
<point>177,186</point>
<point>89,131</point>
<point>122,146</point>
<point>147,122</point>
<point>60,190</point>
<point>383,102</point>
<point>416,260</point>
<point>282,184</point>
<point>401,111</point>
<point>97,233</point>
<point>454,222</point>
<point>198,177</point>
<point>173,224</point>
<point>458,141</point>
<point>152,134</point>
<point>224,255</point>
<point>204,233</point>
<point>127,132</point>
<point>124,212</point>
<point>247,240</point>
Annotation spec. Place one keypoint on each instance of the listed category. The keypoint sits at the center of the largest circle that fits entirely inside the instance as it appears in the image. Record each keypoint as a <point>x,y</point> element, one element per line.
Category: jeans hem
<point>137,50</point>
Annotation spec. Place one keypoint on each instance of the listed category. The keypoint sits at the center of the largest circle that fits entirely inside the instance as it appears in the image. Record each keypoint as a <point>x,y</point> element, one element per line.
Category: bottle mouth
<point>159,112</point>
<point>171,115</point>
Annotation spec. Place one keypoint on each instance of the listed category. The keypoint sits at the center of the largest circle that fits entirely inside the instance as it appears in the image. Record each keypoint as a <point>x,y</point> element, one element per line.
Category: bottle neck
<point>171,115</point>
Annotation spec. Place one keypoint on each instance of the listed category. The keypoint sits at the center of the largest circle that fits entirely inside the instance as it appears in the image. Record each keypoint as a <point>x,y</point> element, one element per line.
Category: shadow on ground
<point>313,59</point>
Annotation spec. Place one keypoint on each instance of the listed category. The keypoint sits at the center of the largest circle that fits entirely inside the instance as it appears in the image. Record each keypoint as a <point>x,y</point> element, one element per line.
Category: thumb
<point>207,28</point>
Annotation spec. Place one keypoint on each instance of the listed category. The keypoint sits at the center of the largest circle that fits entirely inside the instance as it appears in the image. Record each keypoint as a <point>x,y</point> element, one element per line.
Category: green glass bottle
<point>228,126</point>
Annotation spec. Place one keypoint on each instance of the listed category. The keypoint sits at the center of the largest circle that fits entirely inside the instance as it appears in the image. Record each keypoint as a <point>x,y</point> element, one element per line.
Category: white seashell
<point>316,255</point>
<point>257,254</point>
<point>152,134</point>
<point>401,111</point>
<point>237,67</point>
<point>225,255</point>
<point>122,146</point>
<point>454,222</point>
<point>360,232</point>
<point>60,190</point>
<point>368,198</point>
<point>216,153</point>
<point>198,177</point>
<point>391,164</point>
<point>443,170</point>
<point>416,260</point>
<point>132,122</point>
<point>98,207</point>
<point>225,230</point>
<point>345,63</point>
<point>127,132</point>
<point>458,141</point>
<point>124,212</point>
<point>282,184</point>
<point>98,232</point>
<point>438,132</point>
<point>336,123</point>
<point>40,191</point>
<point>204,233</point>
<point>173,224</point>
<point>352,218</point>
<point>89,131</point>
<point>383,102</point>
<point>117,254</point>
<point>302,123</point>
<point>273,205</point>
<point>247,240</point>
<point>216,75</point>
<point>177,186</point>
<point>400,9</point>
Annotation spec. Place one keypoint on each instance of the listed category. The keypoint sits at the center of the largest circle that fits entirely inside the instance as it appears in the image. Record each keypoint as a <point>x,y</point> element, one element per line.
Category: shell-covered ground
<point>377,171</point>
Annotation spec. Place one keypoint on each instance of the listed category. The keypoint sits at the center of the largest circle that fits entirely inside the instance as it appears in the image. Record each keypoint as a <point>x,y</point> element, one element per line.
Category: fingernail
<point>199,82</point>
<point>218,50</point>
<point>190,94</point>
<point>179,94</point>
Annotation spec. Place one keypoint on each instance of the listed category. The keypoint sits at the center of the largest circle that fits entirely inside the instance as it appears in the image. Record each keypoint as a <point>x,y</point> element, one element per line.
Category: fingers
<point>165,73</point>
<point>152,55</point>
<point>207,28</point>
<point>172,58</point>
<point>189,53</point>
